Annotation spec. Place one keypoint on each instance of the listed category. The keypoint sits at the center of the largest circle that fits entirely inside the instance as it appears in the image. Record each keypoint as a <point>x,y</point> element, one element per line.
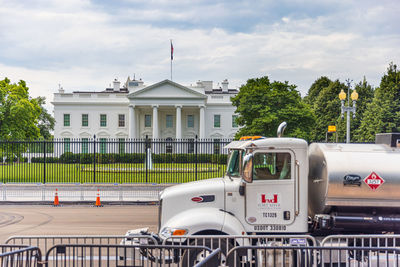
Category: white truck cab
<point>264,191</point>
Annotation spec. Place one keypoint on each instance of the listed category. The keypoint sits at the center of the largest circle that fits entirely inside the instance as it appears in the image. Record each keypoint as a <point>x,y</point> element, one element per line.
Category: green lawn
<point>108,173</point>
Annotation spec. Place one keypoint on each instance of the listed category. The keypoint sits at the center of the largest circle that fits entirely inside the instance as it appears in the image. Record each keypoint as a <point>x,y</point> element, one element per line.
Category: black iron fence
<point>112,160</point>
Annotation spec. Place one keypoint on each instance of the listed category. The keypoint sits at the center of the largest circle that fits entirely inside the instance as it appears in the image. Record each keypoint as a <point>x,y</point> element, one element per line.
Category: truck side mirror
<point>248,168</point>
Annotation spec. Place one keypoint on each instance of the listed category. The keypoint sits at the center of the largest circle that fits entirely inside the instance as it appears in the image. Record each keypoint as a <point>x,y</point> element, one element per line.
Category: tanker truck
<point>283,185</point>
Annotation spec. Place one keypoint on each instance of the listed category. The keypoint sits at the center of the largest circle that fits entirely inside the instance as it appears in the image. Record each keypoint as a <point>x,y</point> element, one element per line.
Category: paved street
<point>74,219</point>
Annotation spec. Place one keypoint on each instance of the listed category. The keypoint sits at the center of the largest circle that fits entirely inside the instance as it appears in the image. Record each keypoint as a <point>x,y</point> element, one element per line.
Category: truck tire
<point>194,256</point>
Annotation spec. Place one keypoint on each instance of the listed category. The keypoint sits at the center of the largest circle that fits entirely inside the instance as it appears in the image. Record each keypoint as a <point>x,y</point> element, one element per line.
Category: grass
<point>108,173</point>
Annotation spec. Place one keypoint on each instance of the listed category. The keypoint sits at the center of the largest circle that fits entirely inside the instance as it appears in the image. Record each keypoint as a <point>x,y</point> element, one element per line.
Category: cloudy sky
<point>84,45</point>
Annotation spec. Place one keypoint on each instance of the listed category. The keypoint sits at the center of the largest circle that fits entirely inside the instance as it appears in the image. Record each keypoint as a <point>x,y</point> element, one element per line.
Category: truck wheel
<point>194,256</point>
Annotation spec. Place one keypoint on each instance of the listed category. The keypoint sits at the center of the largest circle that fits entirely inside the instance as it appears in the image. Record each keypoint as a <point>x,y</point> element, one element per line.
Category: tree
<point>316,88</point>
<point>19,112</point>
<point>326,109</point>
<point>262,106</point>
<point>365,96</point>
<point>382,115</point>
<point>45,121</point>
<point>325,103</point>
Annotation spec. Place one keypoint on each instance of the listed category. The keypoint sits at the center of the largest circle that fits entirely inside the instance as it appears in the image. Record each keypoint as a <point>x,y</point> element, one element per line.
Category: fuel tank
<point>353,177</point>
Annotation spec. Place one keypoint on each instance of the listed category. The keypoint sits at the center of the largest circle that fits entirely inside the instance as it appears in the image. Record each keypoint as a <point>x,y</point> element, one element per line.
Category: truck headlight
<point>168,232</point>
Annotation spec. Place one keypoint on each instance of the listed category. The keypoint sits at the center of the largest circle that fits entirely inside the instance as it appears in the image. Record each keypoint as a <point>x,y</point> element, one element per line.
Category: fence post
<point>146,146</point>
<point>44,161</point>
<point>94,159</point>
<point>195,158</point>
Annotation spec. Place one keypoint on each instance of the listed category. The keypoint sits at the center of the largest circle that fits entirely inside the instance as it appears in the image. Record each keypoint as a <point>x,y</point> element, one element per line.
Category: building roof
<point>220,92</point>
<point>123,90</point>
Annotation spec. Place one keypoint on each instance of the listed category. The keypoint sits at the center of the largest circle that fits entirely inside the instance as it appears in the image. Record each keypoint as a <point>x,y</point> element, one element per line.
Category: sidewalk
<point>80,193</point>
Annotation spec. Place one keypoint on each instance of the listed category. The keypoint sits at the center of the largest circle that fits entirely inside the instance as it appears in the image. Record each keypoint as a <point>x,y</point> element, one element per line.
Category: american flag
<point>172,51</point>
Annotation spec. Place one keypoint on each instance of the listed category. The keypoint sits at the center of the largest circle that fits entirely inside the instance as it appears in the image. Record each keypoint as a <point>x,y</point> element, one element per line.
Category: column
<point>178,122</point>
<point>132,121</point>
<point>155,121</point>
<point>202,129</point>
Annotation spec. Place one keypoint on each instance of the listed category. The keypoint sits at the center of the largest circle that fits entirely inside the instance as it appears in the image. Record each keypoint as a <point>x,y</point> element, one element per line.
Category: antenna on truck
<point>281,129</point>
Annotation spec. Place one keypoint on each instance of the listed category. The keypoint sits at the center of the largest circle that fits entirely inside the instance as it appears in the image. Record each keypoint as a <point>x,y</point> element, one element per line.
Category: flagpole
<point>172,56</point>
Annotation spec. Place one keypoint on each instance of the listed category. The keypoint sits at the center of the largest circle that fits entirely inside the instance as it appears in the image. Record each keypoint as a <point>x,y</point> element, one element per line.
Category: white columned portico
<point>155,121</point>
<point>178,121</point>
<point>202,129</point>
<point>132,121</point>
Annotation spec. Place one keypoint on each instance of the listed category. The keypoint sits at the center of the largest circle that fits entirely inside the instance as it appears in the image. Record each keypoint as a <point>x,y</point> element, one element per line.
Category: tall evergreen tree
<point>316,88</point>
<point>326,109</point>
<point>382,115</point>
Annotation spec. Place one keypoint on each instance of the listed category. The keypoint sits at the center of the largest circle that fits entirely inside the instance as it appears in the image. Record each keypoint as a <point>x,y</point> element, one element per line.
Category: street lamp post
<point>348,109</point>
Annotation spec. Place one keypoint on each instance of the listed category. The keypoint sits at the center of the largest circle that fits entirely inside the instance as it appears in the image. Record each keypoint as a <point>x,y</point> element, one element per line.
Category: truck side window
<point>233,163</point>
<point>272,166</point>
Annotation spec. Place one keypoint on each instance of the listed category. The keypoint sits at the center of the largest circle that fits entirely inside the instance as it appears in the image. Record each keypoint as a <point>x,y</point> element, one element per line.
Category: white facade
<point>162,110</point>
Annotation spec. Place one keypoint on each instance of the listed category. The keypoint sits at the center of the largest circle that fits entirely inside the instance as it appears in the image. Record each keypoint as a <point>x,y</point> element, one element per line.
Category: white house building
<point>162,110</point>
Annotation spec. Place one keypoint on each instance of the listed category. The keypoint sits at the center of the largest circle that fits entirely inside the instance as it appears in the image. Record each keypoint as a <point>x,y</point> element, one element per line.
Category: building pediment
<point>166,89</point>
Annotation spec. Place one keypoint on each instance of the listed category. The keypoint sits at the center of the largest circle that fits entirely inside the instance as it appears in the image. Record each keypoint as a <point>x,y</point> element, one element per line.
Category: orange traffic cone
<point>56,202</point>
<point>98,203</point>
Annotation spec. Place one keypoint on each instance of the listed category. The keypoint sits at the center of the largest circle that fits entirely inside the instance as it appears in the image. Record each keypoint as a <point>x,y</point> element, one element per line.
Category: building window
<point>190,121</point>
<point>67,145</point>
<point>103,120</point>
<point>121,145</point>
<point>85,145</point>
<point>234,122</point>
<point>168,119</point>
<point>147,120</point>
<point>121,120</point>
<point>103,145</point>
<point>67,120</point>
<point>217,121</point>
<point>85,120</point>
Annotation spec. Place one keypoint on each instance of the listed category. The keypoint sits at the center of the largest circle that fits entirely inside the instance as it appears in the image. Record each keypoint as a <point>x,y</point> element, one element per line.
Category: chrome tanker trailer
<point>354,187</point>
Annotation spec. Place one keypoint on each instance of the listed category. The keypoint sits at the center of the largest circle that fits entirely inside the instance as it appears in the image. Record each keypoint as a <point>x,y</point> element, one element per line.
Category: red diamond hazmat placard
<point>374,181</point>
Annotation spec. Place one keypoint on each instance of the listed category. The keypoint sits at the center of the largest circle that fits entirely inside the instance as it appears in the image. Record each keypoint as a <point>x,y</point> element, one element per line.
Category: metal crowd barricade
<point>240,240</point>
<point>371,241</point>
<point>47,241</point>
<point>227,242</point>
<point>275,256</point>
<point>20,256</point>
<point>211,260</point>
<point>385,240</point>
<point>120,255</point>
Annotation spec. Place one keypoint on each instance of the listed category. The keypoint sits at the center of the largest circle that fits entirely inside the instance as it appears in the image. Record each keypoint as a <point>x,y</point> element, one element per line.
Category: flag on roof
<point>172,51</point>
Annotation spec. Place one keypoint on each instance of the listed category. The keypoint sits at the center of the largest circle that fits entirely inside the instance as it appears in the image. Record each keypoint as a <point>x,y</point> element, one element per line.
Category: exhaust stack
<point>281,129</point>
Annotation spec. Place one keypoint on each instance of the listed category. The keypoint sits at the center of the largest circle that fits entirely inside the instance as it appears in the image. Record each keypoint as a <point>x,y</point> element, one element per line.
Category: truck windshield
<point>234,163</point>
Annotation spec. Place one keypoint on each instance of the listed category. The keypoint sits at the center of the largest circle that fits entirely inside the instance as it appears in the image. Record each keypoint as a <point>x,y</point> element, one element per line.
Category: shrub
<point>69,157</point>
<point>86,158</point>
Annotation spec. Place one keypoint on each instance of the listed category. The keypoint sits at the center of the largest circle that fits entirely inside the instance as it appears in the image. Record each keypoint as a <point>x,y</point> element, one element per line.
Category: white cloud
<point>84,46</point>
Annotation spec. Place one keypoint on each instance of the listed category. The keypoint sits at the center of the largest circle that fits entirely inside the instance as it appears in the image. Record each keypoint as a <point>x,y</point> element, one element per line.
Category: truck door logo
<point>274,199</point>
<point>268,201</point>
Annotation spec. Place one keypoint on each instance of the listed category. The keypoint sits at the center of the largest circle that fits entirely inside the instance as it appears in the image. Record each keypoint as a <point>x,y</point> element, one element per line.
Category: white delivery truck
<point>285,186</point>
